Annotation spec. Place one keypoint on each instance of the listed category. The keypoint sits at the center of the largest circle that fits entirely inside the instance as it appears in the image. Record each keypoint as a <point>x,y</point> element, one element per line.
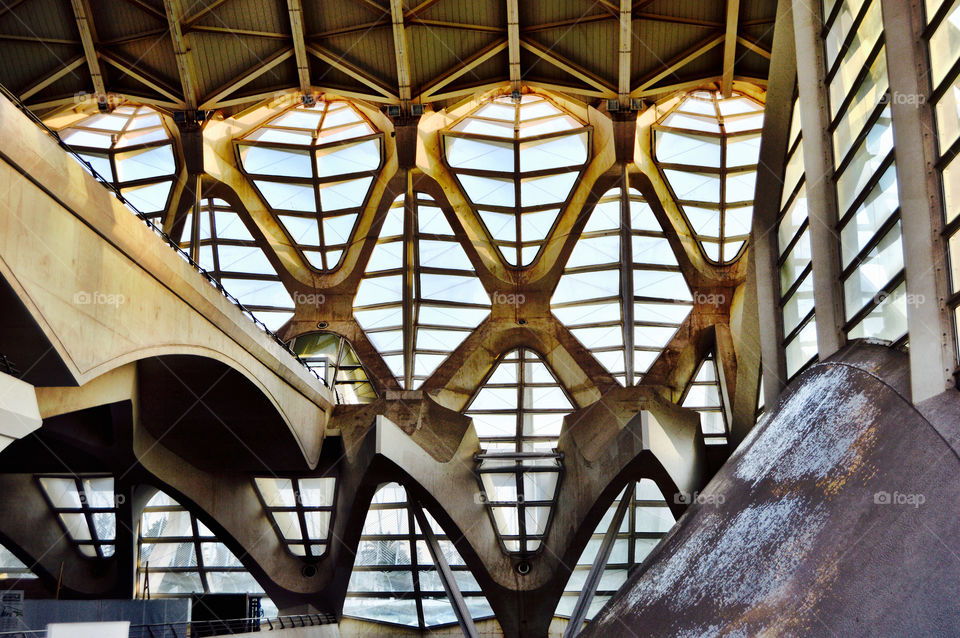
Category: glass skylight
<point>707,148</point>
<point>228,251</point>
<point>335,360</point>
<point>131,148</point>
<point>447,297</point>
<point>517,163</point>
<point>314,166</point>
<point>301,510</point>
<point>183,557</point>
<point>588,297</point>
<point>520,409</point>
<point>645,523</point>
<point>87,510</point>
<point>394,578</point>
<point>704,395</point>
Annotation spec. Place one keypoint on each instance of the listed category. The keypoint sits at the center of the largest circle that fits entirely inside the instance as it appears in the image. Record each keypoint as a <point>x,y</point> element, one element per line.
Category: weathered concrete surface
<point>797,536</point>
<point>89,288</point>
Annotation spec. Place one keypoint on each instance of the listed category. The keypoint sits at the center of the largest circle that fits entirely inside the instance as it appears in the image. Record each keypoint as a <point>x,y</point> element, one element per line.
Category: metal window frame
<point>306,542</point>
<point>86,510</point>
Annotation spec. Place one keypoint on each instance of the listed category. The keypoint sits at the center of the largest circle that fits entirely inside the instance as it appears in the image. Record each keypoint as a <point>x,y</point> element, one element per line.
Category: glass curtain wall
<point>871,252</point>
<point>943,39</point>
<point>795,266</point>
<point>395,580</point>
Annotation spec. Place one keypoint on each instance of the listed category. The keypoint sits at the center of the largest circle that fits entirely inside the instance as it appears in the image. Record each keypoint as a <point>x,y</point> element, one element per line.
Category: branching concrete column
<point>933,354</point>
<point>766,206</point>
<point>818,166</point>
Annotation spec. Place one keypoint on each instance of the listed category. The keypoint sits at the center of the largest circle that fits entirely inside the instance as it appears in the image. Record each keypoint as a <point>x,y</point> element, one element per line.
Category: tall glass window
<point>424,265</point>
<point>395,580</point>
<point>593,301</point>
<point>793,243</point>
<point>943,18</point>
<point>707,148</point>
<point>226,249</point>
<point>871,251</point>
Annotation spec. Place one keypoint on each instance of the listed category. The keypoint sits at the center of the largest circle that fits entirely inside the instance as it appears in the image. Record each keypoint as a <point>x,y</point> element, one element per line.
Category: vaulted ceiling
<point>210,54</point>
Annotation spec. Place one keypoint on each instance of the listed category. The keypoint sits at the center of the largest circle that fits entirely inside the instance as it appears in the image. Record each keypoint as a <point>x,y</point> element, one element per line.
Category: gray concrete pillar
<point>933,353</point>
<point>818,166</point>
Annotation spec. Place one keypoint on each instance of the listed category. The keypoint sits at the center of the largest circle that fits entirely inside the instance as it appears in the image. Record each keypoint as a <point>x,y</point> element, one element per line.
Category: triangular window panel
<point>707,148</point>
<point>446,295</point>
<point>589,298</point>
<point>517,162</point>
<point>315,166</point>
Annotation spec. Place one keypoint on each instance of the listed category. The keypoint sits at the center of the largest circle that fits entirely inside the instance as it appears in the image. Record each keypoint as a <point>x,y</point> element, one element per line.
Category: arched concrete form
<point>212,415</point>
<point>641,435</point>
<point>844,455</point>
<point>74,257</point>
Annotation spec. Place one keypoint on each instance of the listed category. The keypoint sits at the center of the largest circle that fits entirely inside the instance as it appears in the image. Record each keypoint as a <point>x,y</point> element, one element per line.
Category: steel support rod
<point>446,574</point>
<point>579,614</point>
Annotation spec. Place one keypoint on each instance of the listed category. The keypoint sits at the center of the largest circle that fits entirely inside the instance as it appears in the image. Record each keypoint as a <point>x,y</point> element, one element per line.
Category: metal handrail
<point>156,229</point>
<point>179,629</point>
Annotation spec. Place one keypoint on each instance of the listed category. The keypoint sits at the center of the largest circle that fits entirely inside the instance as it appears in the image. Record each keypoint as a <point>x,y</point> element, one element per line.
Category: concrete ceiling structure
<point>445,317</point>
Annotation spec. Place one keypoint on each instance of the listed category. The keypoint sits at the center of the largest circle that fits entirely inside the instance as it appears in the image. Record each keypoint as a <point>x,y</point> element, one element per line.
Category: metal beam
<point>626,38</point>
<point>446,574</point>
<point>730,47</point>
<point>400,50</point>
<point>566,65</point>
<point>141,76</point>
<point>251,74</point>
<point>513,41</point>
<point>356,73</point>
<point>181,52</point>
<point>686,57</point>
<point>579,614</point>
<point>50,78</point>
<point>88,37</point>
<point>295,9</point>
<point>754,46</point>
<point>462,68</point>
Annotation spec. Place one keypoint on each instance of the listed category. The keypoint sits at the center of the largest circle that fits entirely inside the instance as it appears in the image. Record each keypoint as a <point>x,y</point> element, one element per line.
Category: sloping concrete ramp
<point>838,516</point>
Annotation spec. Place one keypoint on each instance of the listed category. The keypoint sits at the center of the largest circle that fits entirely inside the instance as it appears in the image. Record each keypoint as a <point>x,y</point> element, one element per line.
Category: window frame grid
<point>315,181</point>
<point>306,542</point>
<point>86,510</point>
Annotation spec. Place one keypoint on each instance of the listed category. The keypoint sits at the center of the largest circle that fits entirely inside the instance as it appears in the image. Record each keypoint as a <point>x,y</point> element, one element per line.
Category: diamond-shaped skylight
<point>314,166</point>
<point>517,163</point>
